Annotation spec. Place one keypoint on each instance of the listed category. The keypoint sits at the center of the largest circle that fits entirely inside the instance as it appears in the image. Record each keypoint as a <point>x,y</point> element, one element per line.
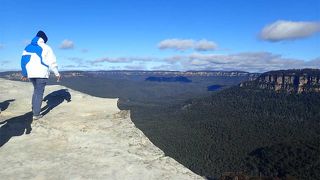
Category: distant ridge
<point>251,76</point>
<point>290,81</point>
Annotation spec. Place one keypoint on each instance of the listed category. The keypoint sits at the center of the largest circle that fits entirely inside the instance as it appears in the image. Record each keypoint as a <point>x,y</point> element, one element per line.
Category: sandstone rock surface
<point>86,138</point>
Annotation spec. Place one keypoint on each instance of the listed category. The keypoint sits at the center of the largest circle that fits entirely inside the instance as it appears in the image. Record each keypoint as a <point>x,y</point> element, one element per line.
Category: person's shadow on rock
<point>54,99</point>
<point>5,104</point>
<point>16,126</point>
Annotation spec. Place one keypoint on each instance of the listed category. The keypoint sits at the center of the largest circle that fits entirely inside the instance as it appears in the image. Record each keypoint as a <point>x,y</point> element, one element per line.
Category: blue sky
<point>253,35</point>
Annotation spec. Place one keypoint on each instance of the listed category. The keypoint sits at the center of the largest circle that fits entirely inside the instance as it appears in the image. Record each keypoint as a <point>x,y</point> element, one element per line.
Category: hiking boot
<point>37,117</point>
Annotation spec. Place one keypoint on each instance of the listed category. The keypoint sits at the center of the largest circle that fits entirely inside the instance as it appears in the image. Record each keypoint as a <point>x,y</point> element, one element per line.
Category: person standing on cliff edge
<point>36,62</point>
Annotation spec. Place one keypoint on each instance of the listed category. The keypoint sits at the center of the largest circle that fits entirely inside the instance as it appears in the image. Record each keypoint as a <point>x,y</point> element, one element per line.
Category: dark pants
<point>38,90</point>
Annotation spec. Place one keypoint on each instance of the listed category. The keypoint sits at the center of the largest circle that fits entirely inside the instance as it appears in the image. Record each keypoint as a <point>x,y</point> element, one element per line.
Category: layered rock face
<point>291,81</point>
<point>80,137</point>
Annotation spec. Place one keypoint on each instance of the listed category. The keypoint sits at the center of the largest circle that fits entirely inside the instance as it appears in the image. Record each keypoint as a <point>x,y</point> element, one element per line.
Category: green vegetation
<point>169,79</point>
<point>255,131</point>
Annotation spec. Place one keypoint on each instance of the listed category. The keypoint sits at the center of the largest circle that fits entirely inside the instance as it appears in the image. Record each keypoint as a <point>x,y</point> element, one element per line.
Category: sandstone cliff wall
<point>292,81</point>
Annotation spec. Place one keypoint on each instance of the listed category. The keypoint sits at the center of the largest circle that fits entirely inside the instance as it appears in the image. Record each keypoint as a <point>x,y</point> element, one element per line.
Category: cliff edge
<point>290,81</point>
<point>80,137</point>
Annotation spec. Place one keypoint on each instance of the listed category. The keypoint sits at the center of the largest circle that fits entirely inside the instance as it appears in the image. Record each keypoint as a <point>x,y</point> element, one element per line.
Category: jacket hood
<point>36,40</point>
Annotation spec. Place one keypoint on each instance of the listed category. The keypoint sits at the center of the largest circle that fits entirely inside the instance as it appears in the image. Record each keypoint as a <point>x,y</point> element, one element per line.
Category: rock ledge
<point>86,138</point>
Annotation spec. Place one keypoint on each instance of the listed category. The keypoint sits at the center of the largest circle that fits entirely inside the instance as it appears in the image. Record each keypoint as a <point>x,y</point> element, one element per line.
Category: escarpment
<point>290,81</point>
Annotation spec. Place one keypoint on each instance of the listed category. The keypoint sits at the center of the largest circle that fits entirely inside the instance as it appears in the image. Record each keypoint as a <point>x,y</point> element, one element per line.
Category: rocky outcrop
<point>291,81</point>
<point>80,137</point>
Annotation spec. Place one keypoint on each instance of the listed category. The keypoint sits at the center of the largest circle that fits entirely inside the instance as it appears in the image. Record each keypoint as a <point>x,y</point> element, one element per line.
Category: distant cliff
<point>291,81</point>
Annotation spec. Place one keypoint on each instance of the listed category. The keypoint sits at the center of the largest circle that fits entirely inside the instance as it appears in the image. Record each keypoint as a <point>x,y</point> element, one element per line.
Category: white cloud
<point>110,60</point>
<point>289,30</point>
<point>135,67</point>
<point>184,44</point>
<point>205,45</point>
<point>174,59</point>
<point>67,44</point>
<point>73,67</point>
<point>165,67</point>
<point>248,61</point>
<point>121,60</point>
<point>251,61</point>
<point>314,62</point>
<point>177,44</point>
<point>74,62</point>
<point>1,46</point>
<point>76,59</point>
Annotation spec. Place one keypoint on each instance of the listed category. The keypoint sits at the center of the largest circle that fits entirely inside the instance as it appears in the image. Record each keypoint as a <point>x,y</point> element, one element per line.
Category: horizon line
<point>239,71</point>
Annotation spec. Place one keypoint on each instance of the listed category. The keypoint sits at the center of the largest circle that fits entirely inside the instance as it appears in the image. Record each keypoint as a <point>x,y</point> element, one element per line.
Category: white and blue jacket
<point>38,59</point>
